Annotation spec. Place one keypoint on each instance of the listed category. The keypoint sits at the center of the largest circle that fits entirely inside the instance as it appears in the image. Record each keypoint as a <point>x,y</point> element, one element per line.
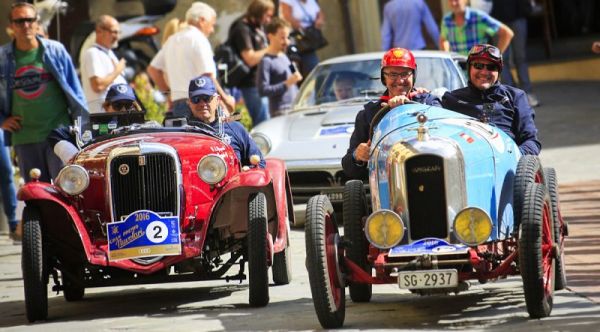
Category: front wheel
<point>536,251</point>
<point>34,267</point>
<point>323,262</point>
<point>257,251</point>
<point>282,266</point>
<point>559,229</point>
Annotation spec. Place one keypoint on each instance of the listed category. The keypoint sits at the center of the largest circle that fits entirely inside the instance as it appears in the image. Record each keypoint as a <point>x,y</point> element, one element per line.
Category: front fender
<point>39,193</point>
<point>281,192</point>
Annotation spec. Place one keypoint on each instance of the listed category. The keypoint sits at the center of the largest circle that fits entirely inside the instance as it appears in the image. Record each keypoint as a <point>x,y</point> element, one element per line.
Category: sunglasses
<point>123,105</point>
<point>490,50</point>
<point>488,66</point>
<point>201,98</point>
<point>23,20</point>
<point>395,76</point>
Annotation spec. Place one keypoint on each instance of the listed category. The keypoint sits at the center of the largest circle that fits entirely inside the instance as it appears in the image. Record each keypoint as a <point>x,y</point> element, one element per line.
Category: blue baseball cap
<point>201,85</point>
<point>118,92</point>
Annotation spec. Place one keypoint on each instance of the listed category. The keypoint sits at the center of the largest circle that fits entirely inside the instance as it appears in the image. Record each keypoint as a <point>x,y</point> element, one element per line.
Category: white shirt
<point>97,61</point>
<point>305,12</point>
<point>186,54</point>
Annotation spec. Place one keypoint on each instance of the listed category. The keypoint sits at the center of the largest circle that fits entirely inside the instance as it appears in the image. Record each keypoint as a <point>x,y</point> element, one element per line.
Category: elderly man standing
<point>185,55</point>
<point>39,91</point>
<point>100,67</point>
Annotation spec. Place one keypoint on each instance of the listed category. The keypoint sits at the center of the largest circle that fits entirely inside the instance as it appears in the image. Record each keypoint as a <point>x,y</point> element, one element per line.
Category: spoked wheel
<point>355,208</point>
<point>282,266</point>
<point>323,262</point>
<point>529,170</point>
<point>559,229</point>
<point>536,251</point>
<point>33,265</point>
<point>257,251</point>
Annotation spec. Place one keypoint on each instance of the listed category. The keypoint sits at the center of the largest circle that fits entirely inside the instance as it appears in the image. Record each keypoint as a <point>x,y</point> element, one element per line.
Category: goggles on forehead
<point>483,49</point>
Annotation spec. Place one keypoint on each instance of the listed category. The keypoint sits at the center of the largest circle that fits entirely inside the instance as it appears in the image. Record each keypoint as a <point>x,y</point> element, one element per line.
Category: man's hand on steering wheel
<point>361,153</point>
<point>396,101</point>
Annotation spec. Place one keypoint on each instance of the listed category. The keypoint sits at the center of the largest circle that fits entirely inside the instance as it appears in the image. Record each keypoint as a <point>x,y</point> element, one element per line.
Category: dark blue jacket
<point>362,124</point>
<point>505,107</point>
<point>241,142</point>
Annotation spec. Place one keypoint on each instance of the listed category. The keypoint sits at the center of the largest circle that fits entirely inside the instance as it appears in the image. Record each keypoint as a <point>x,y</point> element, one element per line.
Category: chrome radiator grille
<point>143,182</point>
<point>426,191</point>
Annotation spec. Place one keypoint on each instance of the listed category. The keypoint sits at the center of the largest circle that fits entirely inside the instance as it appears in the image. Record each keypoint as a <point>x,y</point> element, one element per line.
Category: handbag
<point>230,67</point>
<point>309,39</point>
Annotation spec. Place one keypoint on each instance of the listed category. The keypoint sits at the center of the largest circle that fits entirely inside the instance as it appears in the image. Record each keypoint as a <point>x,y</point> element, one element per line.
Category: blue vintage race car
<point>452,200</point>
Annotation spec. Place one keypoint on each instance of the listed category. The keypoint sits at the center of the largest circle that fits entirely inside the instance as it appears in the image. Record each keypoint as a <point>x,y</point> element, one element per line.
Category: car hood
<point>314,133</point>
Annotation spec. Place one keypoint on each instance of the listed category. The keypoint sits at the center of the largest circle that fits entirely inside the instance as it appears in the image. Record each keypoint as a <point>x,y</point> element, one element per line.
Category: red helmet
<point>399,57</point>
<point>486,52</point>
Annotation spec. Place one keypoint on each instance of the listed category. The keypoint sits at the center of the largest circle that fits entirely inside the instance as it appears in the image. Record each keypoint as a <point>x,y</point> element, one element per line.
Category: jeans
<point>9,197</point>
<point>517,52</point>
<point>308,62</point>
<point>258,106</point>
<point>181,108</point>
<point>41,156</point>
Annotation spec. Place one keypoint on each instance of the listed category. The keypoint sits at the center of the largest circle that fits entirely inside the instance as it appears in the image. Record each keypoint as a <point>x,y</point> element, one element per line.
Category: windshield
<point>358,81</point>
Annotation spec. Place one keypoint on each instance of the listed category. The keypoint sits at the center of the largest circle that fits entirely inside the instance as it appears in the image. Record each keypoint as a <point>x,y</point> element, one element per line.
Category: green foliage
<point>246,120</point>
<point>145,92</point>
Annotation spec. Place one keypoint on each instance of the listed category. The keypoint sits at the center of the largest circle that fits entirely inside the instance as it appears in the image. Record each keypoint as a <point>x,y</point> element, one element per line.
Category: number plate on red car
<point>143,234</point>
<point>428,279</point>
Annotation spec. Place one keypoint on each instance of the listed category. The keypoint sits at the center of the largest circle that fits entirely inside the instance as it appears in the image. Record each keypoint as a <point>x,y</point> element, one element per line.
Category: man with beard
<point>487,99</point>
<point>100,67</point>
<point>398,74</point>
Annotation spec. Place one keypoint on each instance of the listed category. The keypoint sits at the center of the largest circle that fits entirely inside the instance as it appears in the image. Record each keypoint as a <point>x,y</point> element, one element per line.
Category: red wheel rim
<point>332,261</point>
<point>547,250</point>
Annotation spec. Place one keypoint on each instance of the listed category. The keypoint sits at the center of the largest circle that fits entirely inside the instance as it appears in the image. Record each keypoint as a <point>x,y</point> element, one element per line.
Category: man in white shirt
<point>100,67</point>
<point>185,55</point>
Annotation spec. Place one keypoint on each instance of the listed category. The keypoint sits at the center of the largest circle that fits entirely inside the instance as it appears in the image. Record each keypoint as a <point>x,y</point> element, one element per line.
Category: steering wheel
<point>381,113</point>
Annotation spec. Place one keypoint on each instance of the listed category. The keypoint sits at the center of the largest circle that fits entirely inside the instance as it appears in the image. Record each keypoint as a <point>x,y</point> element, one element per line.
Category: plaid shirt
<point>479,28</point>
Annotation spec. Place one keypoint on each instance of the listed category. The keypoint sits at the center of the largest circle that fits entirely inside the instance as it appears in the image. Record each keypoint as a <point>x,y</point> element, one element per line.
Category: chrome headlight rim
<point>396,217</point>
<point>263,142</point>
<point>467,210</point>
<point>65,175</point>
<point>202,165</point>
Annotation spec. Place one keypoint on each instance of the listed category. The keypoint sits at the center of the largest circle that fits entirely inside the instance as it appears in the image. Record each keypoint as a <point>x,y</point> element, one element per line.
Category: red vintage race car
<point>154,205</point>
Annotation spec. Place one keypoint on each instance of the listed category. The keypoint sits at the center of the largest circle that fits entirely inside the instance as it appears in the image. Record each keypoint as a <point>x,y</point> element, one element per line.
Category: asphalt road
<point>569,123</point>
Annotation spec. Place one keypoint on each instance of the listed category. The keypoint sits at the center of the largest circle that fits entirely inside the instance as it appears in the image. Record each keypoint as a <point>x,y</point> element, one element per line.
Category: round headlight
<point>384,229</point>
<point>263,143</point>
<point>73,179</point>
<point>212,169</point>
<point>472,226</point>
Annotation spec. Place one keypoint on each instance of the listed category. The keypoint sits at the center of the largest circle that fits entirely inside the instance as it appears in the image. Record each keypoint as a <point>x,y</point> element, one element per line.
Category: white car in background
<point>314,135</point>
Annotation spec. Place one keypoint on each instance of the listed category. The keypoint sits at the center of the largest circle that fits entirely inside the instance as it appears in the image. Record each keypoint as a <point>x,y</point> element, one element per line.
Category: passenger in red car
<point>204,102</point>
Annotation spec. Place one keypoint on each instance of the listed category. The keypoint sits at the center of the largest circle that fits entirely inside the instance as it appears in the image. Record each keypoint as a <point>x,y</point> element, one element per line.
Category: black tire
<point>282,266</point>
<point>322,262</point>
<point>529,170</point>
<point>355,207</point>
<point>257,251</point>
<point>559,235</point>
<point>536,258</point>
<point>72,291</point>
<point>34,266</point>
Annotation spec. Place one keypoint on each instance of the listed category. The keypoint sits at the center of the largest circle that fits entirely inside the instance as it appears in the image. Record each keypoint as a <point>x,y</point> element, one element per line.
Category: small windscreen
<point>104,123</point>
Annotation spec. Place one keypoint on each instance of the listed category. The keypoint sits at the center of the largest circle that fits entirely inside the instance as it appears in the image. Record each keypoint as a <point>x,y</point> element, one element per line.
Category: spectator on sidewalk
<point>302,14</point>
<point>204,103</point>
<point>464,27</point>
<point>39,91</point>
<point>185,55</point>
<point>248,39</point>
<point>403,22</point>
<point>100,67</point>
<point>514,14</point>
<point>277,76</point>
<point>487,99</point>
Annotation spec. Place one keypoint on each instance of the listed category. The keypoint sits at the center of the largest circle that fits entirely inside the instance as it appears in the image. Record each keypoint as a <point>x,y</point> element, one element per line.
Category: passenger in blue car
<point>398,74</point>
<point>204,101</point>
<point>487,99</point>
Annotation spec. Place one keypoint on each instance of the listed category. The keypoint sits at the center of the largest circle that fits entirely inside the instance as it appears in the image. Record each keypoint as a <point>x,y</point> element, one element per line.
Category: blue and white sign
<point>143,233</point>
<point>431,246</point>
<point>337,130</point>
